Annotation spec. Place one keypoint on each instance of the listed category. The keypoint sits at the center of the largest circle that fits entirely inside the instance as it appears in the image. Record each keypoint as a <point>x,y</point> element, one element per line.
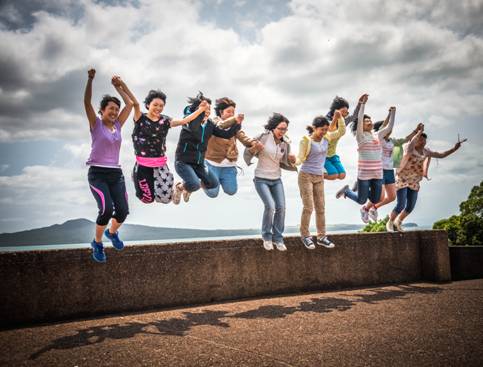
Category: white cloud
<point>417,56</point>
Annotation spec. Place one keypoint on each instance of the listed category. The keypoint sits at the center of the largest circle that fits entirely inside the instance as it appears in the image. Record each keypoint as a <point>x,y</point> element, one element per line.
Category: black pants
<point>109,189</point>
<point>153,183</point>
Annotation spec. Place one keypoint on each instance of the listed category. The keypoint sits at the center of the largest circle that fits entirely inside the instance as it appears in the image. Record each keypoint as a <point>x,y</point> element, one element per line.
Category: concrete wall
<point>466,262</point>
<point>51,285</point>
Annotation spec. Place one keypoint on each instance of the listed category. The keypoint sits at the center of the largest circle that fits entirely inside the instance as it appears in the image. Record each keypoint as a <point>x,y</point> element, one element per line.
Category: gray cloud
<point>423,56</point>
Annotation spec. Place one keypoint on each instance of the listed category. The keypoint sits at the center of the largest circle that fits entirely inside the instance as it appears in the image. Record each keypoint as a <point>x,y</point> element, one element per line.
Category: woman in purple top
<point>105,176</point>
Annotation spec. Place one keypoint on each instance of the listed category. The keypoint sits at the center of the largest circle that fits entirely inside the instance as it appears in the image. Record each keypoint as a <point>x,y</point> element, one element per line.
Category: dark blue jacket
<point>194,137</point>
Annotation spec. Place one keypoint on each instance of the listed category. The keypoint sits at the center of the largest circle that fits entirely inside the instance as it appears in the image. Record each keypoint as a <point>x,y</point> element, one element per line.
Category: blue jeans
<point>366,189</point>
<point>193,173</point>
<point>227,178</point>
<point>273,197</point>
<point>406,199</point>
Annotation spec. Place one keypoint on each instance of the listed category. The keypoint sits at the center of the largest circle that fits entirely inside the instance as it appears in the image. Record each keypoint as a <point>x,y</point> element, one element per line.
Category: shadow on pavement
<point>181,326</point>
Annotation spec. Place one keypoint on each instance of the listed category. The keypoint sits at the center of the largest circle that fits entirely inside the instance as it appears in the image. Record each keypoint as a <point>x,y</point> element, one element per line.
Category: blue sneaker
<point>116,242</point>
<point>98,253</point>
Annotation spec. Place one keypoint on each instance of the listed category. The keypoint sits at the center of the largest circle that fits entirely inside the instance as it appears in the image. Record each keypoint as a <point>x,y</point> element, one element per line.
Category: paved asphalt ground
<point>419,324</point>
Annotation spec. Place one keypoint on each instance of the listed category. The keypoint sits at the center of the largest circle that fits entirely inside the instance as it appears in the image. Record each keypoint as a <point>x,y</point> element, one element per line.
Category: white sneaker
<point>324,241</point>
<point>373,214</point>
<point>364,215</point>
<point>186,196</point>
<point>398,226</point>
<point>390,226</point>
<point>280,246</point>
<point>308,243</point>
<point>341,192</point>
<point>177,193</point>
<point>267,245</point>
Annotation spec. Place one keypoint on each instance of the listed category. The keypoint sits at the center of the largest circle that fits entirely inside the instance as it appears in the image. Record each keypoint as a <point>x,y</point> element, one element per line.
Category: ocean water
<point>135,243</point>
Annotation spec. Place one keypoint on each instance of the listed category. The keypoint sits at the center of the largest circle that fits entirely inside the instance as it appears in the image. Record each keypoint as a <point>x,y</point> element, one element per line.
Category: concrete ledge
<point>466,262</point>
<point>52,285</point>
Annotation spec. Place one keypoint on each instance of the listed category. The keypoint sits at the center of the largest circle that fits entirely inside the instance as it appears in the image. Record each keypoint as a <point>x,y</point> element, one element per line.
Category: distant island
<point>81,231</point>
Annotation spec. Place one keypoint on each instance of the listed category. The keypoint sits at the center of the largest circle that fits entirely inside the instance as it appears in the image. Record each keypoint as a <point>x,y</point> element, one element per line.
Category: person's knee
<point>331,177</point>
<point>121,215</point>
<point>409,207</point>
<point>212,193</point>
<point>230,189</point>
<point>341,176</point>
<point>279,208</point>
<point>192,186</point>
<point>104,216</point>
<point>391,197</point>
<point>147,199</point>
<point>308,208</point>
<point>398,208</point>
<point>362,200</point>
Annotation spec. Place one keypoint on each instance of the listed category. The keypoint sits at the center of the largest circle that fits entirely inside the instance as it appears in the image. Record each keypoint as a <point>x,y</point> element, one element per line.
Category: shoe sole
<point>96,260</point>
<point>326,246</point>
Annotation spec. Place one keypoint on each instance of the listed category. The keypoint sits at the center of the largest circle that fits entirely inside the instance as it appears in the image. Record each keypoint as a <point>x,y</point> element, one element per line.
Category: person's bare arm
<point>446,153</point>
<point>360,121</point>
<point>201,109</point>
<point>414,132</point>
<point>122,89</point>
<point>389,126</point>
<point>90,112</point>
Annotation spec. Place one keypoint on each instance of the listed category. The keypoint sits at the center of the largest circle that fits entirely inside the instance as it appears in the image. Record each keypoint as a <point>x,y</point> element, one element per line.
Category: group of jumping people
<point>207,155</point>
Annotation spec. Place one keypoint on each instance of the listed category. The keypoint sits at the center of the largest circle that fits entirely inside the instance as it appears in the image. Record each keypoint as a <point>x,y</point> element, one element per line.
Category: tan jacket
<point>218,148</point>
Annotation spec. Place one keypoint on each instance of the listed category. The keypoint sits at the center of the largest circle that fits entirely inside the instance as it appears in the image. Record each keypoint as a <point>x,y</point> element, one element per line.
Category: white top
<point>269,160</point>
<point>224,163</point>
<point>387,148</point>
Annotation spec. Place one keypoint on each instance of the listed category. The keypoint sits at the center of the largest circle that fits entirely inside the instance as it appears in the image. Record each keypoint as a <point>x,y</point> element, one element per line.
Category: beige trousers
<point>312,193</point>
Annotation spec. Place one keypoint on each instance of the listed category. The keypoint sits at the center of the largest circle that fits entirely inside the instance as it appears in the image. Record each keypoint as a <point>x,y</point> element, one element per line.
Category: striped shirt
<point>370,157</point>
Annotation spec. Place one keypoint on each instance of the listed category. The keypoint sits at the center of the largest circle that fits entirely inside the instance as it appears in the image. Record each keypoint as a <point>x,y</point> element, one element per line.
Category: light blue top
<point>314,164</point>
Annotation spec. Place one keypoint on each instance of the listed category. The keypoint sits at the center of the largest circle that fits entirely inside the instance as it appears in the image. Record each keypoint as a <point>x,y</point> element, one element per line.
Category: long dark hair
<point>337,104</point>
<point>194,102</point>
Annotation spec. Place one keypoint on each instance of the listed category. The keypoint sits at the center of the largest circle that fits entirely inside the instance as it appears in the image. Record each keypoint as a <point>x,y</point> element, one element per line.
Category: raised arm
<point>360,121</point>
<point>355,113</point>
<point>90,112</point>
<point>414,132</point>
<point>412,142</point>
<point>446,153</point>
<point>126,96</point>
<point>226,134</point>
<point>390,125</point>
<point>229,122</point>
<point>202,108</point>
<point>333,135</point>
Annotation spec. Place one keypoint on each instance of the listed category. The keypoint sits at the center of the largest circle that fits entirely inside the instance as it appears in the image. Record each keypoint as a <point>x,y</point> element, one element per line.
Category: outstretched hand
<point>204,105</point>
<point>364,98</point>
<point>337,115</point>
<point>91,73</point>
<point>458,144</point>
<point>239,118</point>
<point>116,81</point>
<point>257,147</point>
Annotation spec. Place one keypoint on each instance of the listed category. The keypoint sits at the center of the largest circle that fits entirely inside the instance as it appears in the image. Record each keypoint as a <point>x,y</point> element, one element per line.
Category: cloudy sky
<point>292,57</point>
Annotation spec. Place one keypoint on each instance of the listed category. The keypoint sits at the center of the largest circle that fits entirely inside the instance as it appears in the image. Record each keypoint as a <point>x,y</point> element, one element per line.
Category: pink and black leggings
<point>109,189</point>
<point>153,183</point>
